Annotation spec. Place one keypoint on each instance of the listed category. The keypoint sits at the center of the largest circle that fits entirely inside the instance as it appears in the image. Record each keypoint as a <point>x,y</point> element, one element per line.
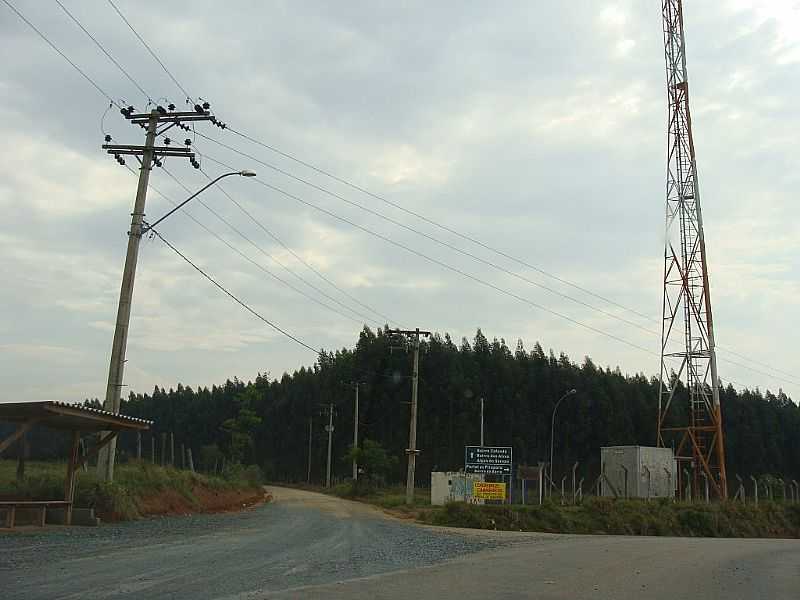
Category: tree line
<point>266,421</point>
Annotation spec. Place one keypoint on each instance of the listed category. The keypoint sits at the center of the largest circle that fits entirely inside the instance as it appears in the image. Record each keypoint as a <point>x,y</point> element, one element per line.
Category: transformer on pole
<point>689,415</point>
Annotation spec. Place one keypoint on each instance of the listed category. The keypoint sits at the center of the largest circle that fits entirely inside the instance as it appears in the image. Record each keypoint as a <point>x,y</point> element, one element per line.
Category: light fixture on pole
<point>553,424</point>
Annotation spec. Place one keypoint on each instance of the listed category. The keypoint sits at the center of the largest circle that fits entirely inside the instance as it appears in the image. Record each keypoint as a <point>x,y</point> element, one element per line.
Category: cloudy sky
<point>537,128</point>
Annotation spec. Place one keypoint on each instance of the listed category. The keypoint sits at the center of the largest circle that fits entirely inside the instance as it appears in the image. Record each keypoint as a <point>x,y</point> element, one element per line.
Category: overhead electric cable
<point>435,223</point>
<point>483,261</point>
<point>429,237</point>
<point>150,50</point>
<point>102,48</point>
<point>241,303</point>
<point>300,277</point>
<point>267,254</point>
<point>64,56</point>
<point>446,265</point>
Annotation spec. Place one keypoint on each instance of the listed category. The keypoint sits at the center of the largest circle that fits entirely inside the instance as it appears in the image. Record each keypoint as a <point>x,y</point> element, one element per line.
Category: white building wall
<point>453,487</point>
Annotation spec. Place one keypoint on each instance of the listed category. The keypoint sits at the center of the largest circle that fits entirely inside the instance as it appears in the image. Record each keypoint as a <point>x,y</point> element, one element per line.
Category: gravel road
<point>306,545</point>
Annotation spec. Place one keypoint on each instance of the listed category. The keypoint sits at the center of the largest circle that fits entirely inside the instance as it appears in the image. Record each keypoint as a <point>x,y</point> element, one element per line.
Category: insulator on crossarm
<point>107,138</point>
<point>187,141</point>
<point>171,107</point>
<point>206,105</point>
<point>167,141</point>
<point>198,109</point>
<point>161,110</point>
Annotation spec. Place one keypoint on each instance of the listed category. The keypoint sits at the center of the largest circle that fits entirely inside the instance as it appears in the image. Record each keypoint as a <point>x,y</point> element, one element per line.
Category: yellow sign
<point>489,491</point>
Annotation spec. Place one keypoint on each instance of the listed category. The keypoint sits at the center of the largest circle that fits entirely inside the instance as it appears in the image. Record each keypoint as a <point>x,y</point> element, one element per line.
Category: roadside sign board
<point>488,460</point>
<point>488,491</point>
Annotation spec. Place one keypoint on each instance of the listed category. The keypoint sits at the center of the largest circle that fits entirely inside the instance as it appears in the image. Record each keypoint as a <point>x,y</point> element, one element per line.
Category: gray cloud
<point>536,127</point>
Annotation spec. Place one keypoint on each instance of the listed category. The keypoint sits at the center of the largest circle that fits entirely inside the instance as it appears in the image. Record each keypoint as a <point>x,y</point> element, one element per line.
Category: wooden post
<point>69,484</point>
<point>138,445</point>
<point>171,449</point>
<point>163,449</point>
<point>23,454</point>
<point>191,462</point>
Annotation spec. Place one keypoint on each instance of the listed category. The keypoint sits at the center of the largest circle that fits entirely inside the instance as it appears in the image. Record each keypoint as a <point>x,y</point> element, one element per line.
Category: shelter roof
<point>60,415</point>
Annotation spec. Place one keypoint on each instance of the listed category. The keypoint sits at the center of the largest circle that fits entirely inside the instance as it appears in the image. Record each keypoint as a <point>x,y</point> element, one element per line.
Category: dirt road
<point>306,545</point>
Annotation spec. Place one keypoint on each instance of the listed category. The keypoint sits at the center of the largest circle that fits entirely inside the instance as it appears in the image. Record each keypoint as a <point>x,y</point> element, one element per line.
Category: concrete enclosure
<point>651,472</point>
<point>453,487</point>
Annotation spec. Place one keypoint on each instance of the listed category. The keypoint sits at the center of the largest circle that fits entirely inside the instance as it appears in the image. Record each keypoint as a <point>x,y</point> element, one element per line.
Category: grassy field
<point>629,517</point>
<point>594,515</point>
<point>139,489</point>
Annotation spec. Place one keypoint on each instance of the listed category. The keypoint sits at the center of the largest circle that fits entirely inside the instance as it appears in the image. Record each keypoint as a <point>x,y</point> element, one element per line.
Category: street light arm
<point>553,426</point>
<point>148,227</point>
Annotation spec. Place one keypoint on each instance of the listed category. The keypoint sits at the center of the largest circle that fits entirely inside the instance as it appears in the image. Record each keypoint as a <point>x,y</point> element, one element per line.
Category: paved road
<point>306,545</point>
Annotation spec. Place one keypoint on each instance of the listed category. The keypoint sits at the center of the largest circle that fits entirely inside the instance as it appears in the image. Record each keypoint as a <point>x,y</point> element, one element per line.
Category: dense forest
<point>266,421</point>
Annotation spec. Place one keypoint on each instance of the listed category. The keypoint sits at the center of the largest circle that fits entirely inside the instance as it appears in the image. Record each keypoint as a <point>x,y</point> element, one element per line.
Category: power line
<point>485,262</point>
<point>446,265</point>
<point>430,237</point>
<point>149,49</point>
<point>102,48</point>
<point>436,223</point>
<point>483,282</point>
<point>233,297</point>
<point>260,249</point>
<point>64,56</point>
<point>301,278</point>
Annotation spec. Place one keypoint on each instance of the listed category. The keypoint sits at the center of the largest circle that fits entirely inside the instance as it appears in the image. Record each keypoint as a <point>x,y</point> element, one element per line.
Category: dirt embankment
<point>201,499</point>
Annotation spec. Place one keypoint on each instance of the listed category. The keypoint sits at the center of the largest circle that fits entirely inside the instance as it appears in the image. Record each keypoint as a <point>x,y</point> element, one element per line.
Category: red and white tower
<point>689,415</point>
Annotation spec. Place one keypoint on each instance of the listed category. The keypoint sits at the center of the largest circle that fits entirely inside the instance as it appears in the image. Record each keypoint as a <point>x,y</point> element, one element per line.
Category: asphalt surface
<point>306,545</point>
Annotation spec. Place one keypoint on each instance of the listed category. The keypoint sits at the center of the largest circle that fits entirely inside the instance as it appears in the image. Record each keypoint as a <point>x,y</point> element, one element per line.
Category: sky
<point>536,128</point>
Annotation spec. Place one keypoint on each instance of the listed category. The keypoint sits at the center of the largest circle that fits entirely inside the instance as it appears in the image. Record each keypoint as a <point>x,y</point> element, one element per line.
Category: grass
<point>629,517</point>
<point>133,493</point>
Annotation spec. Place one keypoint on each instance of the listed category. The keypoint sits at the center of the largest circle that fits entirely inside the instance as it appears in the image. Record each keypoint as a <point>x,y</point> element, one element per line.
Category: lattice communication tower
<point>689,415</point>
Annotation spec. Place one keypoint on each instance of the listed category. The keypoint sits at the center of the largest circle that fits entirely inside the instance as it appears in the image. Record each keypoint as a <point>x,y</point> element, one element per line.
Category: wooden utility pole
<point>412,428</point>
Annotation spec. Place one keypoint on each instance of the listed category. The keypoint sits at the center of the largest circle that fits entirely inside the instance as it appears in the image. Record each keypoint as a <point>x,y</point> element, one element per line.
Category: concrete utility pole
<point>412,428</point>
<point>150,154</point>
<point>310,433</point>
<point>105,461</point>
<point>355,433</point>
<point>329,429</point>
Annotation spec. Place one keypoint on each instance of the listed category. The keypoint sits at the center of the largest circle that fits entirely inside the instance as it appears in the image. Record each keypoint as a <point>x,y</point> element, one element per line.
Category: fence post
<point>171,449</point>
<point>687,494</point>
<point>740,493</point>
<point>647,470</point>
<point>574,468</point>
<point>153,448</point>
<point>563,481</point>
<point>163,456</point>
<point>138,445</point>
<point>755,490</point>
<point>625,470</point>
<point>183,457</point>
<point>580,489</point>
<point>191,462</point>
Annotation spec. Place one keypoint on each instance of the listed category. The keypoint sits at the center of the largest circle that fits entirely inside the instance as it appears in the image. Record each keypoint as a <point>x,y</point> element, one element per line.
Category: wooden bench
<point>11,506</point>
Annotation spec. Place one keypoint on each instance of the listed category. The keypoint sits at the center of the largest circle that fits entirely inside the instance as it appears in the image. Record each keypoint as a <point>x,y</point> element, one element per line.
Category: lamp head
<point>247,173</point>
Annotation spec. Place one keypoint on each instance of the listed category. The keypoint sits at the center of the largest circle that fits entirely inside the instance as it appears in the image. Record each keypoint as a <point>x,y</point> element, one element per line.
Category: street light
<point>553,424</point>
<point>244,173</point>
<point>105,459</point>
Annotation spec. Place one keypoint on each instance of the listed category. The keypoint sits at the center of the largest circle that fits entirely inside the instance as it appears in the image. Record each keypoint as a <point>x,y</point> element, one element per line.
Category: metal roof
<point>60,415</point>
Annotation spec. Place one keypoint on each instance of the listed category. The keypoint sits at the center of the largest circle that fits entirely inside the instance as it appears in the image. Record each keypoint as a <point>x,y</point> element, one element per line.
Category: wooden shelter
<point>72,418</point>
